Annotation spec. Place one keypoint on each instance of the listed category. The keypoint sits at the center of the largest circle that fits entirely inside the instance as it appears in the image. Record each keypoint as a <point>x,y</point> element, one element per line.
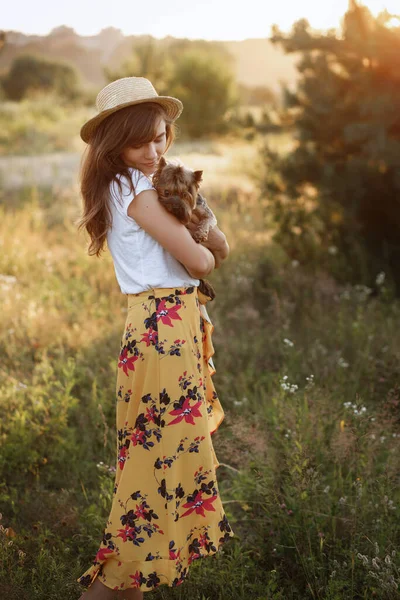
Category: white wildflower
<point>364,558</point>
<point>289,387</point>
<point>240,402</point>
<point>375,563</point>
<point>342,363</point>
<point>310,381</point>
<point>362,291</point>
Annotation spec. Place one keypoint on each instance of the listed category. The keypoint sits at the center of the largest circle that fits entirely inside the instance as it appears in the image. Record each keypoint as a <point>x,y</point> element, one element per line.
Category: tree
<point>197,72</point>
<point>340,185</point>
<point>147,60</point>
<point>33,73</point>
<point>206,86</point>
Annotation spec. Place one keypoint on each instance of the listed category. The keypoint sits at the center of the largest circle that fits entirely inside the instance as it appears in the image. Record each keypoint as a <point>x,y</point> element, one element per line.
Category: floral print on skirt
<point>166,510</point>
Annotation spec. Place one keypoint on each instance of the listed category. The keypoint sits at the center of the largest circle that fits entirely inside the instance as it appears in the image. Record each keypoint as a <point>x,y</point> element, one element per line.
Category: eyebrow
<point>160,134</point>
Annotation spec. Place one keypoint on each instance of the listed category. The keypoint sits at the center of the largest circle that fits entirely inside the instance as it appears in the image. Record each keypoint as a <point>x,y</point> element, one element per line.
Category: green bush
<point>29,73</point>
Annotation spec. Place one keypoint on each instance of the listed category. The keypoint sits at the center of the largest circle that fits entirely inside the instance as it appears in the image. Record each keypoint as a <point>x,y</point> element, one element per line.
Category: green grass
<point>309,478</point>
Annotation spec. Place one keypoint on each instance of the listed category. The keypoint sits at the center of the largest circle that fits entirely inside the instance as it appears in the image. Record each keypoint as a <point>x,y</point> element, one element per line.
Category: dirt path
<point>224,165</point>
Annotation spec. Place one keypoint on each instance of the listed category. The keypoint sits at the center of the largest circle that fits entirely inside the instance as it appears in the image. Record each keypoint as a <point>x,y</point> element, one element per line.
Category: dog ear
<point>156,175</point>
<point>197,176</point>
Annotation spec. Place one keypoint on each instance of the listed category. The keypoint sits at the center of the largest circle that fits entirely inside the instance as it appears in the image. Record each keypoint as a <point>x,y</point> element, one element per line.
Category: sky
<point>193,19</point>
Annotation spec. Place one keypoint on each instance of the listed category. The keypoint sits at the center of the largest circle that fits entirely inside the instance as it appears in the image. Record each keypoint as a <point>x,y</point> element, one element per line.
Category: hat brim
<point>173,107</point>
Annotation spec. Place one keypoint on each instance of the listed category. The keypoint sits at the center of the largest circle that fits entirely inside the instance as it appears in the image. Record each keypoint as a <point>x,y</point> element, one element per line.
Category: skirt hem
<point>168,581</point>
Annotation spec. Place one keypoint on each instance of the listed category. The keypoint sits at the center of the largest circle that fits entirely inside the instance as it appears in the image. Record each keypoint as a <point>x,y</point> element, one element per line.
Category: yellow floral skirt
<point>166,509</point>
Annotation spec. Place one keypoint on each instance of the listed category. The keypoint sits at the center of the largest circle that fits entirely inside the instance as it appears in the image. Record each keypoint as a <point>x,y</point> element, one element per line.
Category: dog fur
<point>178,190</point>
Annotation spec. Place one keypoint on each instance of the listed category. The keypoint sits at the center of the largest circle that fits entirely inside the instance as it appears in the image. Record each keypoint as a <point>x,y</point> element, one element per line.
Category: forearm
<point>209,266</point>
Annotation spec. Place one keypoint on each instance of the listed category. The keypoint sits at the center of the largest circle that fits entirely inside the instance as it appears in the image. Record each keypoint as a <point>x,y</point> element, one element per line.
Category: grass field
<point>307,372</point>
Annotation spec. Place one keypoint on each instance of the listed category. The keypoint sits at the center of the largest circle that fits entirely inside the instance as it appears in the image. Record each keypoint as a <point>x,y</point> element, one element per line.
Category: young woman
<point>166,509</point>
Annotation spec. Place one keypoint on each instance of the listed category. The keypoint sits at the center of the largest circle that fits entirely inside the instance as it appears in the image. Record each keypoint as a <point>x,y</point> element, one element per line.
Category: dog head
<point>177,188</point>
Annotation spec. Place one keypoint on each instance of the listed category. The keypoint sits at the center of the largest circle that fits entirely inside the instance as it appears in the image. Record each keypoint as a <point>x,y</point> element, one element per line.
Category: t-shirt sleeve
<point>140,183</point>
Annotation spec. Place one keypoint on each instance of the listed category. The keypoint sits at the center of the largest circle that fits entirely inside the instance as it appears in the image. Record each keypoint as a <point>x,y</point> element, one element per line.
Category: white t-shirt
<point>140,262</point>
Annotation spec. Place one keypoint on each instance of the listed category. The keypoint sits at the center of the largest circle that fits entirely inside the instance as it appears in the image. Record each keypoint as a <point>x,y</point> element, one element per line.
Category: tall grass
<point>307,372</point>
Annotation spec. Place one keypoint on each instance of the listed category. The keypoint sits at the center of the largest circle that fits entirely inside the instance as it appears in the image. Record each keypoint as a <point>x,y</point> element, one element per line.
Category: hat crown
<point>124,90</point>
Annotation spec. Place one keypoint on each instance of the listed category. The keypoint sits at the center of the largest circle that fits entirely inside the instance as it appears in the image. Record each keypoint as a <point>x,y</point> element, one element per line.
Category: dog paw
<point>199,236</point>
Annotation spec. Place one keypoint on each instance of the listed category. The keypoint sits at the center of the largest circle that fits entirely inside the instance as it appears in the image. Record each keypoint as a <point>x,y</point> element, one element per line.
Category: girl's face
<point>146,157</point>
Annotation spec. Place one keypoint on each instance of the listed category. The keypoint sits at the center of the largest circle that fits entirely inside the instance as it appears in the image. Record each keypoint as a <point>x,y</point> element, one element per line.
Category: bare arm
<point>154,218</point>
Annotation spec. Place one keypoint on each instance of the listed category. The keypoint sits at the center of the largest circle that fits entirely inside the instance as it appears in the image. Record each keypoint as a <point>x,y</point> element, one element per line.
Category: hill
<point>258,62</point>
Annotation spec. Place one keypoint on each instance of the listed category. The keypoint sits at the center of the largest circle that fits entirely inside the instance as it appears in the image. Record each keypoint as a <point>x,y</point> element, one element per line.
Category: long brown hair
<point>101,163</point>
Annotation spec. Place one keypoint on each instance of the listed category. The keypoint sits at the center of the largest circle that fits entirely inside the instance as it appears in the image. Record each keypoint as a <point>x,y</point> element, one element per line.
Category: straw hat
<point>127,91</point>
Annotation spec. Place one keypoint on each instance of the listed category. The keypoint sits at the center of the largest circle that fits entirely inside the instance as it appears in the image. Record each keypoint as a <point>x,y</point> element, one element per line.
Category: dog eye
<point>166,193</point>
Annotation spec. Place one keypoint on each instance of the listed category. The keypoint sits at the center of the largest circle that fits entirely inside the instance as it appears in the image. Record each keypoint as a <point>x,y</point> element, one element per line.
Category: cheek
<point>130,154</point>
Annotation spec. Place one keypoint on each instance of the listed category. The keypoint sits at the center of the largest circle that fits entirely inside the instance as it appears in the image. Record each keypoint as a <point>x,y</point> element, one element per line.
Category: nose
<point>151,152</point>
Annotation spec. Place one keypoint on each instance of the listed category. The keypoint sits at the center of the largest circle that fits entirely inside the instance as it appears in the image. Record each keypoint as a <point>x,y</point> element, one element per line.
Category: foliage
<point>206,88</point>
<point>198,73</point>
<point>340,185</point>
<point>40,125</point>
<point>148,60</point>
<point>32,74</point>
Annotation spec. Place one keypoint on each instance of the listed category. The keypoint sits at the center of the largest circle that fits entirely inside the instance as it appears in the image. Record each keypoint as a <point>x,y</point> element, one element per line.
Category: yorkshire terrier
<point>178,190</point>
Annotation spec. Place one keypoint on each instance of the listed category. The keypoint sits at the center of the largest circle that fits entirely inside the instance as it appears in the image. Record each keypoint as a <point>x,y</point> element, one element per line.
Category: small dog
<point>177,188</point>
